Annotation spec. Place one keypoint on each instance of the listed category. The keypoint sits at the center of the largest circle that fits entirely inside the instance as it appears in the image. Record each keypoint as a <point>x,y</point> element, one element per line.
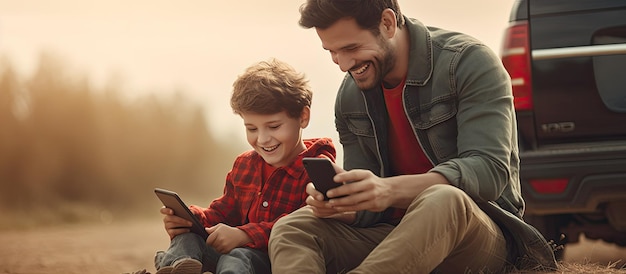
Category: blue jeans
<point>190,245</point>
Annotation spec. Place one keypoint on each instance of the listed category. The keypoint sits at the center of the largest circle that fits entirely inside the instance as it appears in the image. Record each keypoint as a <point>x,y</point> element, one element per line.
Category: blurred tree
<point>9,130</point>
<point>71,151</point>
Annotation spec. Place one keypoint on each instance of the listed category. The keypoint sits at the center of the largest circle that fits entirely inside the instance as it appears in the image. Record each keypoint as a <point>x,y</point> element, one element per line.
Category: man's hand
<point>225,238</point>
<point>366,191</point>
<point>174,225</point>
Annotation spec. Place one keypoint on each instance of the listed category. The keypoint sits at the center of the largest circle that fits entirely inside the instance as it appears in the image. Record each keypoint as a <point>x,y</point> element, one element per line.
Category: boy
<point>264,184</point>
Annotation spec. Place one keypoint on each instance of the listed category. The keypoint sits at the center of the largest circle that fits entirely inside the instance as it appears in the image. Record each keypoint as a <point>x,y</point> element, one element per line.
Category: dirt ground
<point>85,248</point>
<point>122,247</point>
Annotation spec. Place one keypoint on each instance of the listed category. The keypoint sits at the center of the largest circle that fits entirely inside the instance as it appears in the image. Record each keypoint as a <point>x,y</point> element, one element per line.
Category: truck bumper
<point>596,175</point>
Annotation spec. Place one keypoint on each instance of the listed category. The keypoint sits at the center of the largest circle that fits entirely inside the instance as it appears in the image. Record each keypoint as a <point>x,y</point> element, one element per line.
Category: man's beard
<point>382,65</point>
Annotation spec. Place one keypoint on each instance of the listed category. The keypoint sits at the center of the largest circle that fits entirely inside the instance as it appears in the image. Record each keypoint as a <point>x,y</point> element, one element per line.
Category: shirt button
<point>265,204</point>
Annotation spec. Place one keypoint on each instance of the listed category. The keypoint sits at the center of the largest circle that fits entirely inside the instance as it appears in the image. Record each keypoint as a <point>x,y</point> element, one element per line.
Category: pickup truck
<point>567,62</point>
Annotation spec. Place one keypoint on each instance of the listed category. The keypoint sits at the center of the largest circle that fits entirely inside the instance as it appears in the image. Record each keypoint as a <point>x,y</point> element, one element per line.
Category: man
<point>426,120</point>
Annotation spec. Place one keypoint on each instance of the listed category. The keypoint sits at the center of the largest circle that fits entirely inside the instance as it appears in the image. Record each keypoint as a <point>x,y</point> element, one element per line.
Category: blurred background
<point>101,101</point>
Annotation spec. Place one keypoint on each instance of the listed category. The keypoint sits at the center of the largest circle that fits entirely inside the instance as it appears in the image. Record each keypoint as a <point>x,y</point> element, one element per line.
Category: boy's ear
<point>305,117</point>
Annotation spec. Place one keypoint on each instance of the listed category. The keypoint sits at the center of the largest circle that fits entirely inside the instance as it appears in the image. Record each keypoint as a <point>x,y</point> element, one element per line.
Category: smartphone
<point>321,172</point>
<point>170,199</point>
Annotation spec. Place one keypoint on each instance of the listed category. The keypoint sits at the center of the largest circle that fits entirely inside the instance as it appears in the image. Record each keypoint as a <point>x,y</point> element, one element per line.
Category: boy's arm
<point>220,208</point>
<point>259,233</point>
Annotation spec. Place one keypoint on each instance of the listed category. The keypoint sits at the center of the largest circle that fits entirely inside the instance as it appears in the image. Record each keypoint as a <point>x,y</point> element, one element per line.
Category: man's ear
<point>305,117</point>
<point>388,25</point>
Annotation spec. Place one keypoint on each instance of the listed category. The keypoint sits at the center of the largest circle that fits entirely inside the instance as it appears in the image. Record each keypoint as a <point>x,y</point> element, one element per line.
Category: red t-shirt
<point>406,154</point>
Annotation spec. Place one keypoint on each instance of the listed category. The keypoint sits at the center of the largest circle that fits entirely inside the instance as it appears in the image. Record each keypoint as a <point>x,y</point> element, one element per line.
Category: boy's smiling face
<point>276,137</point>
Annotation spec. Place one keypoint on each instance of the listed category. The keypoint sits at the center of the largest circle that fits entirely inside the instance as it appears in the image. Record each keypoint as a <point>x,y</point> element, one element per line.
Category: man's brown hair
<point>367,13</point>
<point>269,87</point>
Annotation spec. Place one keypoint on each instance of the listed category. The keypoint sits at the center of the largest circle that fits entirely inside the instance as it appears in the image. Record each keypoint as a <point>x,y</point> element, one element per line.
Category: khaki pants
<point>443,231</point>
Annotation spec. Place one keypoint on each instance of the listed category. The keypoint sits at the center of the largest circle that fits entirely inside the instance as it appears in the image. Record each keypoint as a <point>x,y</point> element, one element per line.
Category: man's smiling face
<point>367,57</point>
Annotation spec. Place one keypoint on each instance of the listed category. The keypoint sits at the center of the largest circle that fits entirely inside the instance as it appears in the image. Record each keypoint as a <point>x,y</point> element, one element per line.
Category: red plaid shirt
<point>254,207</point>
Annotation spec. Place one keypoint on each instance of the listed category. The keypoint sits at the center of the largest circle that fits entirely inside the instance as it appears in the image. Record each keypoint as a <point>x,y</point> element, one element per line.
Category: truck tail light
<point>516,59</point>
<point>549,186</point>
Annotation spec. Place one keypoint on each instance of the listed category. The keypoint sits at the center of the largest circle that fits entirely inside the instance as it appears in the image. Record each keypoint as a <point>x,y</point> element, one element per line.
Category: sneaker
<point>187,266</point>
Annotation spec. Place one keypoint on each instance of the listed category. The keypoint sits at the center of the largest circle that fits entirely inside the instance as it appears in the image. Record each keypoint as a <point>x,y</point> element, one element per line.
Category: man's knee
<point>300,218</point>
<point>299,222</point>
<point>442,197</point>
<point>445,192</point>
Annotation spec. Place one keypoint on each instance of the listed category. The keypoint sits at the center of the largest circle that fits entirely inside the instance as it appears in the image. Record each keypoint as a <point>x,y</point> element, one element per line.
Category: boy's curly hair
<point>269,87</point>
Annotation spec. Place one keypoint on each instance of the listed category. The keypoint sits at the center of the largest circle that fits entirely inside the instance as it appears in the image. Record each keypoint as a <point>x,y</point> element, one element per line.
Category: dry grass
<point>590,268</point>
<point>573,267</point>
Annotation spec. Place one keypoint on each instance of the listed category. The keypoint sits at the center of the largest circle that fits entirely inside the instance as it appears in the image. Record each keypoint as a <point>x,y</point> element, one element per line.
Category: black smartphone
<point>321,172</point>
<point>170,199</point>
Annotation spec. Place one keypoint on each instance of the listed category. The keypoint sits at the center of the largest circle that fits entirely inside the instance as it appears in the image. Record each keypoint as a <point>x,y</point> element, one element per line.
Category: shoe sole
<point>165,270</point>
<point>188,267</point>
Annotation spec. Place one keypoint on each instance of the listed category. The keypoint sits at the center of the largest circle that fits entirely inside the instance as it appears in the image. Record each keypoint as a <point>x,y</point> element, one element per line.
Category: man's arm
<point>486,126</point>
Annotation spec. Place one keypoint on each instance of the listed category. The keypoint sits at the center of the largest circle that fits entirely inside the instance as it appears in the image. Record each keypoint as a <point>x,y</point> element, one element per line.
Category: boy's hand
<point>225,238</point>
<point>174,225</point>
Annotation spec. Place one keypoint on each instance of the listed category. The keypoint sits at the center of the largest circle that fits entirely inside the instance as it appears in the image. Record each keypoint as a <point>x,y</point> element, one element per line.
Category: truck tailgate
<point>587,108</point>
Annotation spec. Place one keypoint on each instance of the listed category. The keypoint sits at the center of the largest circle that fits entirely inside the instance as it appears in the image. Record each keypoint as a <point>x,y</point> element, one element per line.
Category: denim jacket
<point>458,99</point>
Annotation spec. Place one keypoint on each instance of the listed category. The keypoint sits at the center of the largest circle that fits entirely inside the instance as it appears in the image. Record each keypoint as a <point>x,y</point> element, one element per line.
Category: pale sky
<point>201,46</point>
